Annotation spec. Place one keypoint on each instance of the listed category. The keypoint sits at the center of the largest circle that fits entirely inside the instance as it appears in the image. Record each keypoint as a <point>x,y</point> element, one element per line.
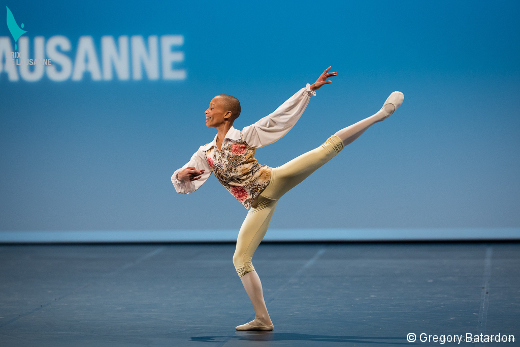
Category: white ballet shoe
<point>395,99</point>
<point>255,324</point>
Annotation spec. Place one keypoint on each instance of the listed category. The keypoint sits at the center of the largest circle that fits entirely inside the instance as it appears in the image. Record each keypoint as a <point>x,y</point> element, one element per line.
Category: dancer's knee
<point>334,144</point>
<point>243,264</point>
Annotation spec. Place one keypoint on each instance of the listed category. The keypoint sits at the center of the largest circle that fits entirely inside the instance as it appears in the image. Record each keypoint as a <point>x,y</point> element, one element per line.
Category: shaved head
<point>232,104</point>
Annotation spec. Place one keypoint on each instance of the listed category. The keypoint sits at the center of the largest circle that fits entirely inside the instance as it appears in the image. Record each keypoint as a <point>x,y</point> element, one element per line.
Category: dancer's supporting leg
<point>253,287</point>
<point>349,134</point>
<point>250,235</point>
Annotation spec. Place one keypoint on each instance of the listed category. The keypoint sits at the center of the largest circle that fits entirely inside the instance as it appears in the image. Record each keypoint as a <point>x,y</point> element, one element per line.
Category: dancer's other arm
<point>192,175</point>
<point>274,126</point>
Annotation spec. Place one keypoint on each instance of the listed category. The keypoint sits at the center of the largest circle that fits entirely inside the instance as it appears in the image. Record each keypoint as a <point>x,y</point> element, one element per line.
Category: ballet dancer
<point>230,157</point>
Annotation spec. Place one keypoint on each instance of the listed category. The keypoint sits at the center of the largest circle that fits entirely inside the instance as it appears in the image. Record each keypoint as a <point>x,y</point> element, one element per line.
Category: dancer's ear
<point>229,116</point>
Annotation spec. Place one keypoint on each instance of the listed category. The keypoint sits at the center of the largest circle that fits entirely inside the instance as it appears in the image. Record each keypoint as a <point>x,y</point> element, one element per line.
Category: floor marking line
<point>297,274</point>
<point>484,296</point>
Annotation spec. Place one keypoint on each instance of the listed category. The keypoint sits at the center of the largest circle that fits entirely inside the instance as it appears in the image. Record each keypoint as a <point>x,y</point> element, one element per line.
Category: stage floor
<point>318,294</point>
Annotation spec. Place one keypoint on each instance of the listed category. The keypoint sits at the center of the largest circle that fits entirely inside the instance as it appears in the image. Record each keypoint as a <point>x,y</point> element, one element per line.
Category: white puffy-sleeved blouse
<point>234,164</point>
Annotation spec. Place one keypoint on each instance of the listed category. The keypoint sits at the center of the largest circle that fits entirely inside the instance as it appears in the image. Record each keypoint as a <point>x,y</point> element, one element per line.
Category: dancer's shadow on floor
<point>271,336</point>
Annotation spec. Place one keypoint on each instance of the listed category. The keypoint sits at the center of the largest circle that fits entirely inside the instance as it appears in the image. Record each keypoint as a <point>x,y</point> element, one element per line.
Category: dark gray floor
<point>317,294</point>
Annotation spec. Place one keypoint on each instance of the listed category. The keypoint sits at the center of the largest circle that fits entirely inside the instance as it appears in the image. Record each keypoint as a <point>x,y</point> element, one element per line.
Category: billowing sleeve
<point>274,126</point>
<point>199,162</point>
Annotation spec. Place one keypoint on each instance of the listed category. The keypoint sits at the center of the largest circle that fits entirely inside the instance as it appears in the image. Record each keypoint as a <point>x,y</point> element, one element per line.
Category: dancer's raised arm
<point>274,126</point>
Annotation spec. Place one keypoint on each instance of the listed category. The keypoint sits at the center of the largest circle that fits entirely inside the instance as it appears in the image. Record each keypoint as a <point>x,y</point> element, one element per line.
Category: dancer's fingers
<point>330,74</point>
<point>194,171</point>
<point>323,78</point>
<point>327,75</point>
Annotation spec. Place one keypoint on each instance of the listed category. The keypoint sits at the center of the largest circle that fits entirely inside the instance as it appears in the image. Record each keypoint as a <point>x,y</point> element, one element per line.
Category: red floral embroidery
<point>210,162</point>
<point>239,193</point>
<point>239,148</point>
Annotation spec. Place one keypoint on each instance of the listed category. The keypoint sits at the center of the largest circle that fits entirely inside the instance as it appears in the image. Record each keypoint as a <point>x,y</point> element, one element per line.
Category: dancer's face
<point>216,114</point>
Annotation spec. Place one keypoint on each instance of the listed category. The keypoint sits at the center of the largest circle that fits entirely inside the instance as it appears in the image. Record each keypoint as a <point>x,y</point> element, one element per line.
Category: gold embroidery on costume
<point>261,203</point>
<point>248,267</point>
<point>335,142</point>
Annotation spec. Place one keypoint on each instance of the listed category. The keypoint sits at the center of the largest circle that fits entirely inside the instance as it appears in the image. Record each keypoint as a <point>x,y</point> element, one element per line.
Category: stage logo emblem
<point>13,27</point>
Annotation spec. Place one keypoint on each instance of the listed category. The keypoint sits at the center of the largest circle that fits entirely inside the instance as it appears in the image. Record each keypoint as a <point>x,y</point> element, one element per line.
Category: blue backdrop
<point>90,141</point>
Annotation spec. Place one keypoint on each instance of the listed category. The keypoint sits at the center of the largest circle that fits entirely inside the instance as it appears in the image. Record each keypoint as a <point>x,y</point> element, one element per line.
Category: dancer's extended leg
<point>349,134</point>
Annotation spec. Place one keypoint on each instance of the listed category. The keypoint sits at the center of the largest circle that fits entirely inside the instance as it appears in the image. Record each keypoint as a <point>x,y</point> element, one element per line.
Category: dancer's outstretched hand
<point>323,79</point>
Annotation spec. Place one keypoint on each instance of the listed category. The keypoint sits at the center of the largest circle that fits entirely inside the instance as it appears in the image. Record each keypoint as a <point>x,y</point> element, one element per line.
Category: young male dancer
<point>230,156</point>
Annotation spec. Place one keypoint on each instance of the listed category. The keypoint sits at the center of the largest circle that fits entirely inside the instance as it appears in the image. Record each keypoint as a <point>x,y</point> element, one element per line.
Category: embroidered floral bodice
<point>235,166</point>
